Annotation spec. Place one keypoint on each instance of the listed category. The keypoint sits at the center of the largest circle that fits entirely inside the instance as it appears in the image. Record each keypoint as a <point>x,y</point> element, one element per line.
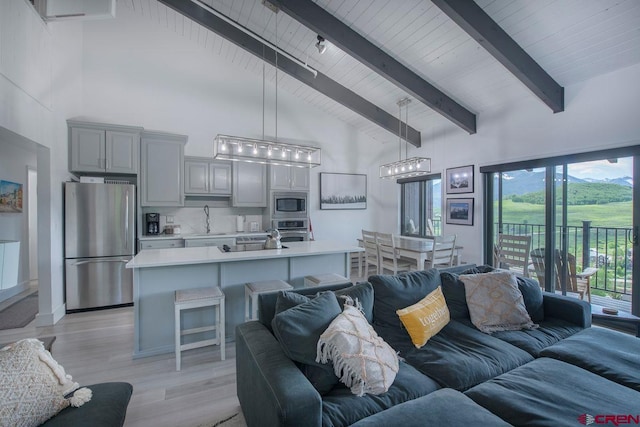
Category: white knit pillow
<point>361,359</point>
<point>33,385</point>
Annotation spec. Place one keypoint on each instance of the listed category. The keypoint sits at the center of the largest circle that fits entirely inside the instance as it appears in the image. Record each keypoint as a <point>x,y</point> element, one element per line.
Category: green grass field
<point>609,215</point>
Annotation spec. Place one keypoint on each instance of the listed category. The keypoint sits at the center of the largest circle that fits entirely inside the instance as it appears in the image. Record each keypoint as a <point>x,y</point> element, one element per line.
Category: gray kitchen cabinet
<point>216,241</point>
<point>161,169</point>
<point>103,148</point>
<point>249,185</point>
<point>289,178</point>
<point>203,176</point>
<point>161,244</point>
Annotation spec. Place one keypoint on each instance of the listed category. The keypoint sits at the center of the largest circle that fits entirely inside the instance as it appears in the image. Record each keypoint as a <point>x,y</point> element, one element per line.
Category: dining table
<point>414,248</point>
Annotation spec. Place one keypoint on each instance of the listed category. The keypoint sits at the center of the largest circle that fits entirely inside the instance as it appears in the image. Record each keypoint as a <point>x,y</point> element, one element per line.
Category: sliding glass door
<point>579,212</point>
<point>421,206</point>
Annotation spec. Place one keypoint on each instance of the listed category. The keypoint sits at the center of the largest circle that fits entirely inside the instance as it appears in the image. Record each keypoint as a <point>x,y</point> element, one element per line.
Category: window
<point>421,206</point>
<point>579,212</point>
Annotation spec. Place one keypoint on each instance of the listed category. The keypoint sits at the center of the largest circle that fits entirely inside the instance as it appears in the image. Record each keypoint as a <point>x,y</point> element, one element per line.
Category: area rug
<point>20,313</point>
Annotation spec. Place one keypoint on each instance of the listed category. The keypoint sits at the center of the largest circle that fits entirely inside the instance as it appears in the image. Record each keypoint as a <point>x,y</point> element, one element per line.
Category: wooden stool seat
<point>253,289</point>
<point>324,279</point>
<point>195,298</point>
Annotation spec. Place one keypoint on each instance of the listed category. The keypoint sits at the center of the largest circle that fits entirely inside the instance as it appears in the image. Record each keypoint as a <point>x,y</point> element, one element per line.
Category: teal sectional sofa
<point>458,367</point>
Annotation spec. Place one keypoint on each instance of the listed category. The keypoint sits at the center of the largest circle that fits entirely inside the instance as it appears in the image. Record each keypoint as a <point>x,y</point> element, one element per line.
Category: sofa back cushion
<point>393,292</point>
<point>267,302</point>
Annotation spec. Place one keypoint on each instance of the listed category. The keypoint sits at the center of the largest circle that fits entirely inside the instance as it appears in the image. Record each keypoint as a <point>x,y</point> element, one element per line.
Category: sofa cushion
<point>393,292</point>
<point>532,295</point>
<point>342,408</point>
<point>361,359</point>
<point>459,356</point>
<point>107,408</point>
<point>610,354</point>
<point>33,385</point>
<point>298,330</point>
<point>444,407</point>
<point>533,341</point>
<point>495,302</point>
<point>548,392</point>
<point>425,318</point>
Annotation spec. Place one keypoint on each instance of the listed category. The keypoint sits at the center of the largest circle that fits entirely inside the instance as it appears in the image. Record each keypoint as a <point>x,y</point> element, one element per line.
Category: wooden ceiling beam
<point>328,26</point>
<point>475,22</point>
<point>321,82</point>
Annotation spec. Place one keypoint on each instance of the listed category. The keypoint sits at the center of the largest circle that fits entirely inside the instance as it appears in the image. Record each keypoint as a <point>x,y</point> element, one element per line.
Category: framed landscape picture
<point>460,180</point>
<point>459,211</point>
<point>343,191</point>
<point>10,196</point>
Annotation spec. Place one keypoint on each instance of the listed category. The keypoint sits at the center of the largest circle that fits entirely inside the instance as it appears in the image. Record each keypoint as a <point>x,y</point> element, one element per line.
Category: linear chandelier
<point>415,166</point>
<point>241,149</point>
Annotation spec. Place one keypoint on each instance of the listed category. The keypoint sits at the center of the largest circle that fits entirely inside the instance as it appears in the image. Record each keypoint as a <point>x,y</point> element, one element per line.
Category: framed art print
<point>459,211</point>
<point>343,191</point>
<point>459,180</point>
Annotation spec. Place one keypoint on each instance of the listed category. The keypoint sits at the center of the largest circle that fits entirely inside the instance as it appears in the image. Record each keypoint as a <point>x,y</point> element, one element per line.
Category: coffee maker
<point>152,223</point>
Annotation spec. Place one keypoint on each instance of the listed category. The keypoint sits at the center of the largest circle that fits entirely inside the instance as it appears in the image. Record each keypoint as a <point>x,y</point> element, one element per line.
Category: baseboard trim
<point>50,319</point>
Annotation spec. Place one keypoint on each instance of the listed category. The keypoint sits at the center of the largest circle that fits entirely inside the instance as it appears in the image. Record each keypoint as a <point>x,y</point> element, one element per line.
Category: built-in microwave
<point>290,204</point>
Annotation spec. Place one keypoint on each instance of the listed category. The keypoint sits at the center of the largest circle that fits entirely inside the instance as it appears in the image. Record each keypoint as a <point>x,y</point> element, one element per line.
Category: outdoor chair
<point>512,252</point>
<point>577,282</point>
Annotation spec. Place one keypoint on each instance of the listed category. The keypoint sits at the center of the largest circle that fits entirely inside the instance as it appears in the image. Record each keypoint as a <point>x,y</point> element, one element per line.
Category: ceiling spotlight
<point>321,45</point>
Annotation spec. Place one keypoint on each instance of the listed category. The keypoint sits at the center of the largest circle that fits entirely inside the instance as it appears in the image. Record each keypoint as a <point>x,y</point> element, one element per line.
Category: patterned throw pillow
<point>495,302</point>
<point>33,385</point>
<point>425,318</point>
<point>362,360</point>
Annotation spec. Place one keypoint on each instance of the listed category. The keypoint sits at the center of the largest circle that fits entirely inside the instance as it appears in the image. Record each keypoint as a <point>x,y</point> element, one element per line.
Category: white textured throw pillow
<point>361,359</point>
<point>495,302</point>
<point>33,385</point>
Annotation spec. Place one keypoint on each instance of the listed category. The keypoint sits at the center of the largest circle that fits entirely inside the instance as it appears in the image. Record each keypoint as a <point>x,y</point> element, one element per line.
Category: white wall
<point>40,80</point>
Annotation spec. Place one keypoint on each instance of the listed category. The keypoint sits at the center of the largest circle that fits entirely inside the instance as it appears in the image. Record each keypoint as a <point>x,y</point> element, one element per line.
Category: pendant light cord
<point>263,92</point>
<point>276,79</point>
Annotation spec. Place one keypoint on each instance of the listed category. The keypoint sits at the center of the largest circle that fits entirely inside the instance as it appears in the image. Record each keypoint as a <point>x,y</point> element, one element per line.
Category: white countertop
<point>185,256</point>
<point>231,234</point>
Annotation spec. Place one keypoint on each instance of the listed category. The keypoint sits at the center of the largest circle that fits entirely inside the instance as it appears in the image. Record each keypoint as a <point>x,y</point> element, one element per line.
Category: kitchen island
<point>158,273</point>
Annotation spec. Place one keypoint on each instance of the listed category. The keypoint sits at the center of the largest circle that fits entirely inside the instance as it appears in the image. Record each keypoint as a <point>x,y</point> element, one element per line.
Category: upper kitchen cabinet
<point>203,176</point>
<point>161,169</point>
<point>103,148</point>
<point>249,185</point>
<point>289,178</point>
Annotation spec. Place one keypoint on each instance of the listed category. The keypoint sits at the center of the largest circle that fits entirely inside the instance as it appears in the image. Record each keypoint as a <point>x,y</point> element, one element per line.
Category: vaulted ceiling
<point>571,40</point>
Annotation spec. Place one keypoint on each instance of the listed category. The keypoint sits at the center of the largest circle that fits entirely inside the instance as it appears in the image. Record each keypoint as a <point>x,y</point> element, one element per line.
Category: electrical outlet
<point>169,219</point>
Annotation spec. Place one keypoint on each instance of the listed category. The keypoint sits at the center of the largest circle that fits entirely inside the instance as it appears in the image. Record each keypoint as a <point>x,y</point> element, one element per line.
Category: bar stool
<point>253,289</point>
<point>194,298</point>
<point>324,279</point>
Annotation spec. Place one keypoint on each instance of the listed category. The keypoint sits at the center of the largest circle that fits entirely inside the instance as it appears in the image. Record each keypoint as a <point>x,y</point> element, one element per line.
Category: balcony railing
<point>607,248</point>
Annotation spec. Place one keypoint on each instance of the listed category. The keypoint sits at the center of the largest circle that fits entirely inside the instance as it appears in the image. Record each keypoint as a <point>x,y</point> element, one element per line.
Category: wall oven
<point>292,230</point>
<point>289,205</point>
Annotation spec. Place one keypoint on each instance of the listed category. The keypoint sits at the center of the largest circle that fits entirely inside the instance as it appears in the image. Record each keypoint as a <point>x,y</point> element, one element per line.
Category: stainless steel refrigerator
<point>99,239</point>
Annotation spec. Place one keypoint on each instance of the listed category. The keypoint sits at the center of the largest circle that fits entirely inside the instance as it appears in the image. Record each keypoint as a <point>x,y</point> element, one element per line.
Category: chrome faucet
<point>206,212</point>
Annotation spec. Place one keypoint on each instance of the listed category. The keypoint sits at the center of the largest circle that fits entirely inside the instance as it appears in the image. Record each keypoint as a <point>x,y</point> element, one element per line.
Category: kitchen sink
<point>246,247</point>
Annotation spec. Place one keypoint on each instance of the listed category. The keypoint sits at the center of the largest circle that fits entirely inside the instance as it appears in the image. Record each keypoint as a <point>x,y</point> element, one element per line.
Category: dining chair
<point>443,252</point>
<point>579,283</point>
<point>388,255</point>
<point>512,252</point>
<point>430,229</point>
<point>370,251</point>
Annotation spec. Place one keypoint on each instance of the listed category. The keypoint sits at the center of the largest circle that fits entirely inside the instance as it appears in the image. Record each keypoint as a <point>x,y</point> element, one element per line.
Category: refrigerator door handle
<point>100,260</point>
<point>126,222</point>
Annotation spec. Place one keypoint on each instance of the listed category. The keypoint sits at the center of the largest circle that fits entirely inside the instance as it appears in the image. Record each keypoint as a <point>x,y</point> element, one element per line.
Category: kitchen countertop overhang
<point>211,254</point>
<point>204,235</point>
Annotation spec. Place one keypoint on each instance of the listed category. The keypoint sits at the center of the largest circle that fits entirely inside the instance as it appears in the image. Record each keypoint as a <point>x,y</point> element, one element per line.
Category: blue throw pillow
<point>298,330</point>
<point>454,294</point>
<point>393,292</point>
<point>363,293</point>
<point>532,295</point>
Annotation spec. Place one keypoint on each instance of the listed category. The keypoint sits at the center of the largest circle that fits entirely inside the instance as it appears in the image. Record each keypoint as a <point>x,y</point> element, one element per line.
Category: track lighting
<point>321,45</point>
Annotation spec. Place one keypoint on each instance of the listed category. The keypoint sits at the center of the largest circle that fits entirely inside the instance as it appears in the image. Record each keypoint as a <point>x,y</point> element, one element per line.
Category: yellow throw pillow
<point>425,318</point>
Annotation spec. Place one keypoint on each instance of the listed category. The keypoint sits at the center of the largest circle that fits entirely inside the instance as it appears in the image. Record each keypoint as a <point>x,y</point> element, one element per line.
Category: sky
<point>602,169</point>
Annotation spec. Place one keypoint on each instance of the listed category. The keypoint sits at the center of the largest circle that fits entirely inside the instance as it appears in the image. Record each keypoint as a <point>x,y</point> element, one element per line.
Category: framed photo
<point>460,211</point>
<point>460,180</point>
<point>10,196</point>
<point>343,191</point>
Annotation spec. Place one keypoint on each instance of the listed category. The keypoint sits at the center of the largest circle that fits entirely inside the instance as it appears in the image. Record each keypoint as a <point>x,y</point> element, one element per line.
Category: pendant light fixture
<point>415,166</point>
<point>241,149</point>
